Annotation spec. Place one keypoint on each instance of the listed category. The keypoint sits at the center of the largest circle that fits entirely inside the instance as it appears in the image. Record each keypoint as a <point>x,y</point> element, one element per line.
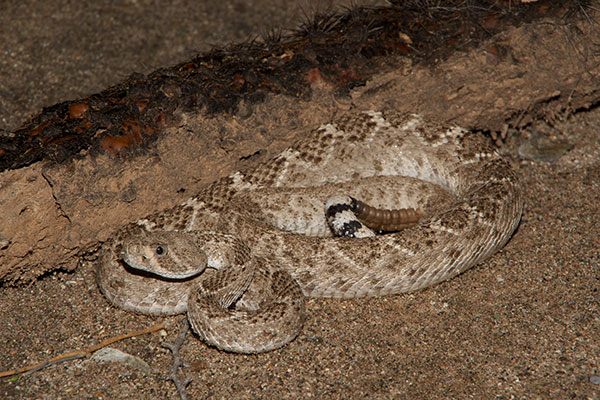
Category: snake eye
<point>159,250</point>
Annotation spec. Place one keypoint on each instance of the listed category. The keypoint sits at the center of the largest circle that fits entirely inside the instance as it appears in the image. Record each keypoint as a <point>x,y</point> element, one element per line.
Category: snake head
<point>169,254</point>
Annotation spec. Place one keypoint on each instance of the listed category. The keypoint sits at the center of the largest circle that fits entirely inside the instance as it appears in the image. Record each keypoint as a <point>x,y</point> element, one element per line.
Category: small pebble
<point>109,354</point>
<point>541,148</point>
<point>4,243</point>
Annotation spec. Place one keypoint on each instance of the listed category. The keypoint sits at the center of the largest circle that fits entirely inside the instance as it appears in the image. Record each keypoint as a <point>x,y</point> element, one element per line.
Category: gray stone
<point>108,354</point>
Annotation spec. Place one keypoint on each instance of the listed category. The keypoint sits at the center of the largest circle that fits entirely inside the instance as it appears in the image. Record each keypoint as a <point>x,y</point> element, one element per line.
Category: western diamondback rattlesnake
<point>239,255</point>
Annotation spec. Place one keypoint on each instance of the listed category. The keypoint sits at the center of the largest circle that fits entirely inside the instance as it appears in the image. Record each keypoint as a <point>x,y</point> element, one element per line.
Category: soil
<point>524,324</point>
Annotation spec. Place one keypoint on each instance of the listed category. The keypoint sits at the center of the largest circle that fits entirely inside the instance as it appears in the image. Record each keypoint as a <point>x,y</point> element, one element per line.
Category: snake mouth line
<point>148,274</point>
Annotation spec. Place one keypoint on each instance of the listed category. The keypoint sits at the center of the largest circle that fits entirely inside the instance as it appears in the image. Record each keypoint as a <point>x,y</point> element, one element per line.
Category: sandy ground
<point>525,324</point>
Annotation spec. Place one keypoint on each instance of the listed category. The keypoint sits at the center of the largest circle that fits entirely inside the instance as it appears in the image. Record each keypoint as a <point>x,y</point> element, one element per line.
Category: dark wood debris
<point>338,48</point>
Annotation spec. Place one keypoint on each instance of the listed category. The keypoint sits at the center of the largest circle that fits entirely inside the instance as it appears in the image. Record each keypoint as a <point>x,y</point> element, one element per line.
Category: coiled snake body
<point>321,219</point>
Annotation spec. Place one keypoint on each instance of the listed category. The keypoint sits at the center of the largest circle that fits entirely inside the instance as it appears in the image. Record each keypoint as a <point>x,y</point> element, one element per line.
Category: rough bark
<point>52,214</point>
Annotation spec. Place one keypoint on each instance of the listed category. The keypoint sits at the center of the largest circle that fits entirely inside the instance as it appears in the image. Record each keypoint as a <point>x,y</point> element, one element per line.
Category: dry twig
<point>80,353</point>
<point>177,361</point>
